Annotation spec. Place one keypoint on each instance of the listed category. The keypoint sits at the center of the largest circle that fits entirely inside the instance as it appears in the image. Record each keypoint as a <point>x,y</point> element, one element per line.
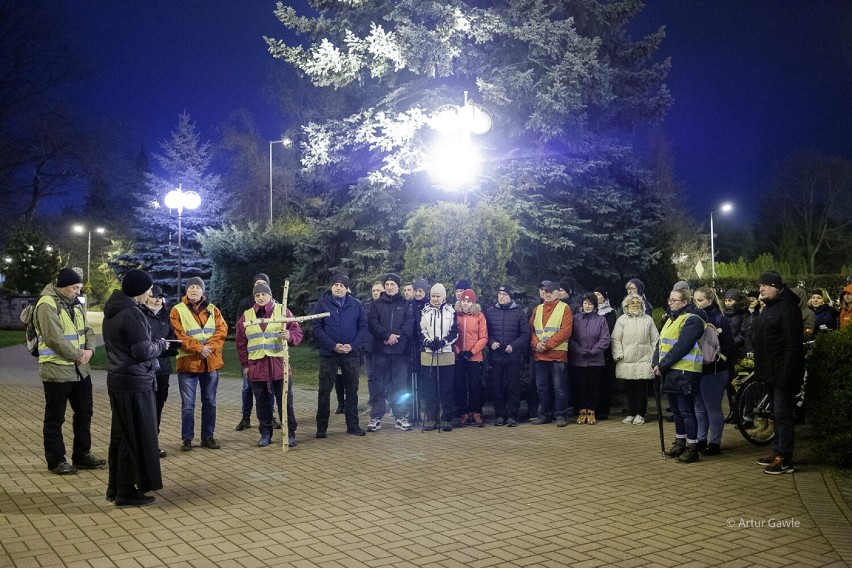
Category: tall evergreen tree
<point>185,162</point>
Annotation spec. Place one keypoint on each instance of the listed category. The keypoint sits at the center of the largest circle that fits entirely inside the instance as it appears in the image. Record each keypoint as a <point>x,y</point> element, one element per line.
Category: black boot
<point>689,455</point>
<point>677,448</point>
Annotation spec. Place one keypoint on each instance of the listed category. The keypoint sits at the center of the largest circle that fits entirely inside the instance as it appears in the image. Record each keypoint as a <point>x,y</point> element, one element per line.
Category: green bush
<point>828,396</point>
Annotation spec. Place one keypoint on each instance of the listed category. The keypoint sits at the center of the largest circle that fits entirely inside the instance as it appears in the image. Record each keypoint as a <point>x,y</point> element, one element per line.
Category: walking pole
<point>286,445</point>
<point>659,416</point>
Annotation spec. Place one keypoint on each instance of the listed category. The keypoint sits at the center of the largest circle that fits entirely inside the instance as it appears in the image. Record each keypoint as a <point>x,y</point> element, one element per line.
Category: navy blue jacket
<point>346,325</point>
<point>390,315</point>
<point>507,325</point>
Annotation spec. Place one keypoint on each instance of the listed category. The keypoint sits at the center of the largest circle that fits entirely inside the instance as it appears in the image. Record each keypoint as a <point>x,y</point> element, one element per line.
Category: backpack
<point>711,349</point>
<point>31,334</point>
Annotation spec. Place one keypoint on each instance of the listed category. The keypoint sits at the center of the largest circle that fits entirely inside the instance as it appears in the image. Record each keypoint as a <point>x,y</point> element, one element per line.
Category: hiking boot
<point>446,426</point>
<point>712,450</point>
<point>678,447</point>
<point>90,461</point>
<point>779,465</point>
<point>463,420</point>
<point>541,420</point>
<point>243,424</point>
<point>561,422</point>
<point>210,443</point>
<point>137,499</point>
<point>186,446</point>
<point>375,425</point>
<point>511,423</point>
<point>689,455</point>
<point>590,417</point>
<point>477,420</point>
<point>581,416</point>
<point>402,424</point>
<point>499,422</point>
<point>264,441</point>
<point>767,461</point>
<point>356,431</point>
<point>64,468</point>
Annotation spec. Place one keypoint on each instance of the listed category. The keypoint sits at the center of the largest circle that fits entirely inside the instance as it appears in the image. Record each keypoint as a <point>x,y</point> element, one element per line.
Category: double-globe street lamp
<point>725,208</point>
<point>80,229</point>
<point>180,200</point>
<point>287,143</point>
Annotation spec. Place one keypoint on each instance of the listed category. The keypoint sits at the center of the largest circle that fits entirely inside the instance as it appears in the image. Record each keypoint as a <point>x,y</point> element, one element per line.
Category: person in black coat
<point>826,317</point>
<point>161,326</point>
<point>508,337</point>
<point>779,362</point>
<point>607,381</point>
<point>134,463</point>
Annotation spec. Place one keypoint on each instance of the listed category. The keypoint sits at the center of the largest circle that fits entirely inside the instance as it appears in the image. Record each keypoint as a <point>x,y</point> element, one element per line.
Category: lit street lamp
<point>287,143</point>
<point>80,229</point>
<point>724,209</point>
<point>180,200</point>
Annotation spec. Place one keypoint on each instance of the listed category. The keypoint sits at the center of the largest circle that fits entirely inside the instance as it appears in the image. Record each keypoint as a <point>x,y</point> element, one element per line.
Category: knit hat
<point>439,290</point>
<point>258,288</point>
<point>340,278</point>
<point>505,288</point>
<point>420,284</point>
<point>640,286</point>
<point>463,285</point>
<point>136,282</point>
<point>67,277</point>
<point>564,285</point>
<point>602,291</point>
<point>157,292</point>
<point>197,281</point>
<point>394,277</point>
<point>468,295</point>
<point>752,294</point>
<point>771,278</point>
<point>547,286</point>
<point>260,276</point>
<point>732,294</point>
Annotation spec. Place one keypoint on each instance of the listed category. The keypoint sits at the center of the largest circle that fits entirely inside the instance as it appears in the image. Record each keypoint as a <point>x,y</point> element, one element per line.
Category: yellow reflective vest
<point>264,343</point>
<point>692,361</point>
<point>545,331</point>
<point>72,331</point>
<point>191,327</point>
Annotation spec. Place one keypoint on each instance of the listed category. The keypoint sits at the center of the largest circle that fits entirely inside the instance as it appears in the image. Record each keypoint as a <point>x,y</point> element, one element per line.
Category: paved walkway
<point>476,497</point>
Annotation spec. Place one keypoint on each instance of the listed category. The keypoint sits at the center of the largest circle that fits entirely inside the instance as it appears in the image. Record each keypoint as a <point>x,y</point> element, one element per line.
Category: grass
<point>9,337</point>
<point>303,359</point>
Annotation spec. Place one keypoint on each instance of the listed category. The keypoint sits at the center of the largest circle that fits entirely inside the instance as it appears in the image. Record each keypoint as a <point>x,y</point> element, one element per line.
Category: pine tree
<point>32,263</point>
<point>185,161</point>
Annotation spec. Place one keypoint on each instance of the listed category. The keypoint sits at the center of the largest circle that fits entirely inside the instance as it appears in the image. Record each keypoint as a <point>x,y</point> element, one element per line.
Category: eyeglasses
<point>673,300</point>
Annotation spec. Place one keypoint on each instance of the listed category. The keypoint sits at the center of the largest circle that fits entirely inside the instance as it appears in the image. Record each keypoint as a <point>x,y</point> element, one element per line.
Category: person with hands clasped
<point>589,340</point>
<point>551,325</point>
<point>439,331</point>
<point>508,337</point>
<point>473,339</point>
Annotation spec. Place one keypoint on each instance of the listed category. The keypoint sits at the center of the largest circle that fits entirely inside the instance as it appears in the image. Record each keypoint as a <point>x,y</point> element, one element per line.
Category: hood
<point>801,296</point>
<point>848,288</point>
<point>51,291</point>
<point>117,302</point>
<point>626,301</point>
<point>640,287</point>
<point>430,308</point>
<point>474,309</point>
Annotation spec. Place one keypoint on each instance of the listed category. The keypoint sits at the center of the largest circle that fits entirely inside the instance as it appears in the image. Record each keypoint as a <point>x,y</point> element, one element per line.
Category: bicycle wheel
<point>754,413</point>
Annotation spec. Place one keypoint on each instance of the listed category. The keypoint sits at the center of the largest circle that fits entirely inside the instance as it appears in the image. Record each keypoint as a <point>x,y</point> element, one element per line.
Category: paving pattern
<point>476,497</point>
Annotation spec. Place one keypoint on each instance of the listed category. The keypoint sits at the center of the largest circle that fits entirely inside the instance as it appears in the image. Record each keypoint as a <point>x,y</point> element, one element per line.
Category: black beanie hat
<point>463,285</point>
<point>341,278</point>
<point>771,278</point>
<point>508,290</point>
<point>136,282</point>
<point>67,277</point>
<point>394,277</point>
<point>260,276</point>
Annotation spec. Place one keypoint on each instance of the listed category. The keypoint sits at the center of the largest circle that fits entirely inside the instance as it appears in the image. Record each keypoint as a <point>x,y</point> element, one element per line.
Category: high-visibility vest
<point>692,361</point>
<point>554,322</point>
<point>73,331</point>
<point>191,327</point>
<point>264,343</point>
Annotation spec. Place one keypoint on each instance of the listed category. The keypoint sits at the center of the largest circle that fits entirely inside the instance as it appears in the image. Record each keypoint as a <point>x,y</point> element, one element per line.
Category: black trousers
<point>263,408</point>
<point>436,386</point>
<point>637,397</point>
<point>350,368</point>
<point>585,386</point>
<point>506,388</point>
<point>56,397</point>
<point>162,396</point>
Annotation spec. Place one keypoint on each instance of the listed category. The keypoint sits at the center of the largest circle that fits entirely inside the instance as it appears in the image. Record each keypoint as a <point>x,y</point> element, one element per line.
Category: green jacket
<point>50,328</point>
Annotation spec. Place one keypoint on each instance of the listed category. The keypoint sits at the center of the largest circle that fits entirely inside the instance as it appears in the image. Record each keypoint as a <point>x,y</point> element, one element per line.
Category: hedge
<point>828,396</point>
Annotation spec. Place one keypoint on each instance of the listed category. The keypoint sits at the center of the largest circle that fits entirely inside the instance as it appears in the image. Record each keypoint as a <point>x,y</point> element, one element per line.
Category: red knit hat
<point>468,295</point>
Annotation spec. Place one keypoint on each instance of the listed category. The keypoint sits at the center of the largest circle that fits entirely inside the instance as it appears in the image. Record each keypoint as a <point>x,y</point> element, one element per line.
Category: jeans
<point>783,401</point>
<point>555,373</point>
<point>350,370</point>
<point>468,387</point>
<point>209,384</point>
<point>506,388</point>
<point>391,374</point>
<point>56,397</point>
<point>248,395</point>
<point>708,407</point>
<point>683,408</point>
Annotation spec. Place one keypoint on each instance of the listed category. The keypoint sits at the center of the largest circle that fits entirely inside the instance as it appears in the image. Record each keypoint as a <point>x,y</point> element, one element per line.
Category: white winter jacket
<point>634,339</point>
<point>439,323</point>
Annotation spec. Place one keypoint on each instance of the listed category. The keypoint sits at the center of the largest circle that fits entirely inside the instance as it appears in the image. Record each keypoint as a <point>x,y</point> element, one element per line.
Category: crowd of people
<point>430,358</point>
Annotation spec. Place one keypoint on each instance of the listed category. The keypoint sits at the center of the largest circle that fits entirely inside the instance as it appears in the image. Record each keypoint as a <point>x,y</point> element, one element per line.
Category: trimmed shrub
<point>828,396</point>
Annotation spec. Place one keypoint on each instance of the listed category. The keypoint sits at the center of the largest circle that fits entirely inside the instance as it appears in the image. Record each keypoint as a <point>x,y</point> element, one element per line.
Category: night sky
<point>752,80</point>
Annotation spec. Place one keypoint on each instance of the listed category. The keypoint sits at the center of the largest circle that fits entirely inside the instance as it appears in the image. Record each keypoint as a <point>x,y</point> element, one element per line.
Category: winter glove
<point>466,355</point>
<point>436,344</point>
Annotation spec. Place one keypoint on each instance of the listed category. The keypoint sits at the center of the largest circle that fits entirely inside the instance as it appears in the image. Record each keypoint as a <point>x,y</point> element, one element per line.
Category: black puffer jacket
<point>390,315</point>
<point>132,354</point>
<point>777,338</point>
<point>507,324</point>
<point>736,315</point>
<point>161,328</point>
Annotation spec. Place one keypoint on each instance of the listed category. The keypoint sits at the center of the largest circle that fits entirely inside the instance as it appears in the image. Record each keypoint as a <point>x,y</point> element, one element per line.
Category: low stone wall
<point>10,310</point>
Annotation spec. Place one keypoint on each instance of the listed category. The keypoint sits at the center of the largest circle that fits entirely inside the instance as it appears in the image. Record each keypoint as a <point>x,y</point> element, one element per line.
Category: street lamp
<point>287,143</point>
<point>726,207</point>
<point>80,229</point>
<point>180,200</point>
<point>455,160</point>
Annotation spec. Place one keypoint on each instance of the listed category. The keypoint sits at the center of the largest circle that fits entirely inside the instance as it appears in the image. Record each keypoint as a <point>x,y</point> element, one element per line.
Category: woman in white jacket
<point>437,360</point>
<point>634,339</point>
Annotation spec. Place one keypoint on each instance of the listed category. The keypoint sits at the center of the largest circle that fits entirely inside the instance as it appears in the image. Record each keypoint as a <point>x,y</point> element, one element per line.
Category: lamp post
<point>180,200</point>
<point>287,143</point>
<point>80,229</point>
<point>724,209</point>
